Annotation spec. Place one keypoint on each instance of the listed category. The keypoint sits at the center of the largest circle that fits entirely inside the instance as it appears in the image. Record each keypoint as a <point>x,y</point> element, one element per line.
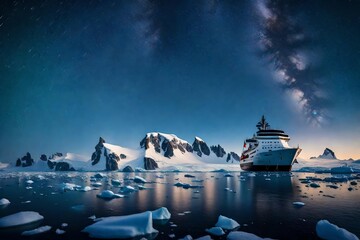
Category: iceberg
<point>239,235</point>
<point>107,194</point>
<point>4,202</point>
<point>216,231</point>
<point>226,223</point>
<point>138,179</point>
<point>20,218</point>
<point>36,231</point>
<point>298,204</point>
<point>161,214</point>
<point>122,226</point>
<point>329,231</point>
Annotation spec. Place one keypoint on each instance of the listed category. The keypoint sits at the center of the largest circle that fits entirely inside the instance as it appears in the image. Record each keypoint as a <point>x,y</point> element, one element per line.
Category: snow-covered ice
<point>4,202</point>
<point>161,214</point>
<point>59,231</point>
<point>107,194</point>
<point>329,231</point>
<point>298,204</point>
<point>138,179</point>
<point>226,223</point>
<point>20,218</point>
<point>216,231</point>
<point>122,226</point>
<point>35,231</point>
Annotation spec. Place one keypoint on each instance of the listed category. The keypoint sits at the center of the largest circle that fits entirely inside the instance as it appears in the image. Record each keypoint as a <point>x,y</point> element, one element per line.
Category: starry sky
<point>71,71</point>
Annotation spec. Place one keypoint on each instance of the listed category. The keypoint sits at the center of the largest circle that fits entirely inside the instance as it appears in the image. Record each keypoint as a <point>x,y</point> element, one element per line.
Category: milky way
<point>284,44</point>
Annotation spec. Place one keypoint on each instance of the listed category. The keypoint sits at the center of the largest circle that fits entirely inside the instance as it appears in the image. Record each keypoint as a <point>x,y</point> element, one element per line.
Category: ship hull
<point>279,160</point>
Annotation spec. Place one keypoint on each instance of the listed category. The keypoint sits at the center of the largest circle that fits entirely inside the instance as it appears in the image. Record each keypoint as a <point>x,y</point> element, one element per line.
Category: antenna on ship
<point>262,125</point>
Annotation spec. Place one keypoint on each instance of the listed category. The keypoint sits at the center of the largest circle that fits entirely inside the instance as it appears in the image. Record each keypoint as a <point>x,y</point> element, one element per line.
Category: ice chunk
<point>329,231</point>
<point>207,237</point>
<point>314,185</point>
<point>239,235</point>
<point>115,182</point>
<point>64,225</point>
<point>20,218</point>
<point>298,204</point>
<point>226,223</point>
<point>228,175</point>
<point>69,186</point>
<point>107,194</point>
<point>138,179</point>
<point>96,184</point>
<point>4,202</point>
<point>122,226</point>
<point>99,175</point>
<point>36,231</point>
<point>59,231</point>
<point>85,189</point>
<point>187,237</point>
<point>216,231</point>
<point>161,214</point>
<point>128,189</point>
<point>29,181</point>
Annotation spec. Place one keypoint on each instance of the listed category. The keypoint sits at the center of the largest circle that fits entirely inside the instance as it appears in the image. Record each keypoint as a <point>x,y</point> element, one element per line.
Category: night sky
<point>71,71</point>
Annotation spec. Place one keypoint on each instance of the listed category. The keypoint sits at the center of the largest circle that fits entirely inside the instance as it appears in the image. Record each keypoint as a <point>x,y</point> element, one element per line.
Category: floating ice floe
<point>138,179</point>
<point>64,225</point>
<point>240,235</point>
<point>122,226</point>
<point>20,218</point>
<point>329,231</point>
<point>128,189</point>
<point>228,175</point>
<point>115,182</point>
<point>161,214</point>
<point>36,231</point>
<point>227,223</point>
<point>96,184</point>
<point>4,202</point>
<point>29,181</point>
<point>189,237</point>
<point>216,231</point>
<point>314,185</point>
<point>107,194</point>
<point>85,189</point>
<point>69,186</point>
<point>298,204</point>
<point>99,175</point>
<point>189,176</point>
<point>59,231</point>
<point>342,169</point>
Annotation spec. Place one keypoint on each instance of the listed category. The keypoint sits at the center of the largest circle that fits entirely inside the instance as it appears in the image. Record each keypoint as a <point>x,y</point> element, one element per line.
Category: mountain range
<point>156,151</point>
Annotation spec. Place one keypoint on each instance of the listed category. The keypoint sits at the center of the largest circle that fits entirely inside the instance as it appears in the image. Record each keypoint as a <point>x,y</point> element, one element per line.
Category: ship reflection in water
<point>261,202</point>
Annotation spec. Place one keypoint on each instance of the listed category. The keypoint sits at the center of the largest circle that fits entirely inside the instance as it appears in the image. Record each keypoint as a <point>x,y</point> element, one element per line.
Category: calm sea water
<point>262,204</point>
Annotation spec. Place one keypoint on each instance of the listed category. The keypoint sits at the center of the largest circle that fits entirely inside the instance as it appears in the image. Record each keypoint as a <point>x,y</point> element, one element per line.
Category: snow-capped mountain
<point>157,151</point>
<point>328,154</point>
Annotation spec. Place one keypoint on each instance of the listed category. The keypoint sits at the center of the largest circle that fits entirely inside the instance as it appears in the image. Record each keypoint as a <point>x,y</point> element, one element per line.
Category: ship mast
<point>262,125</point>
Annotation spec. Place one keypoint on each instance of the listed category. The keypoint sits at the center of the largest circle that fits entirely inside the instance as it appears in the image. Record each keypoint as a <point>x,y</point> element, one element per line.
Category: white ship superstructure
<point>268,150</point>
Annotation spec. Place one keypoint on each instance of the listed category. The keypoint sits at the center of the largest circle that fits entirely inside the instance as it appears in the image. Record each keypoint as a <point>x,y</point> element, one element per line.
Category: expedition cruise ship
<point>268,150</point>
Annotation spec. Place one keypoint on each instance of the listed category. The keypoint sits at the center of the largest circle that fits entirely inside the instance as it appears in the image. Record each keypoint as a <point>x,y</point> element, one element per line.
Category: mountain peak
<point>328,153</point>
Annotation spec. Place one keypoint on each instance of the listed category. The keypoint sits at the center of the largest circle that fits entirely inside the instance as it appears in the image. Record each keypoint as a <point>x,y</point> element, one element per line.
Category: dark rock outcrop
<point>51,164</point>
<point>56,155</point>
<point>95,157</point>
<point>63,166</point>
<point>128,169</point>
<point>18,162</point>
<point>154,140</point>
<point>111,161</point>
<point>232,156</point>
<point>43,157</point>
<point>168,147</point>
<point>25,161</point>
<point>122,156</point>
<point>150,164</point>
<point>200,147</point>
<point>218,150</point>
